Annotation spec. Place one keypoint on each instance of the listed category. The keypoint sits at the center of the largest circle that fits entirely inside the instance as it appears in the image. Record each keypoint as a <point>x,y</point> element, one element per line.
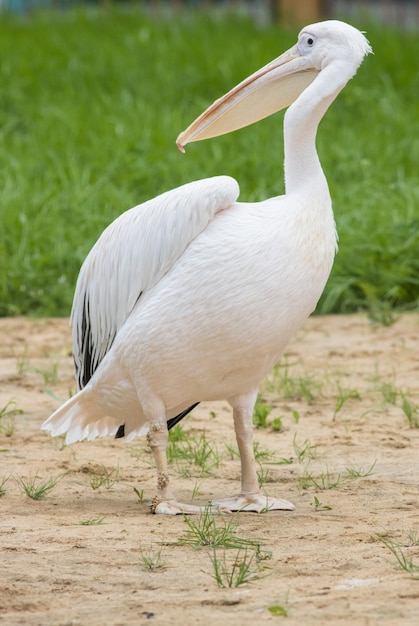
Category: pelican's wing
<point>131,256</point>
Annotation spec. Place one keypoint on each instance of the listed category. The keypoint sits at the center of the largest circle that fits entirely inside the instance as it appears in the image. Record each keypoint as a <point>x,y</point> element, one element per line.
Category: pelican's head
<point>333,42</point>
<point>279,83</point>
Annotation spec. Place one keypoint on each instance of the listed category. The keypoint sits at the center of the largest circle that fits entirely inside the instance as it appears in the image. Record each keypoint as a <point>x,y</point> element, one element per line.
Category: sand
<point>77,557</point>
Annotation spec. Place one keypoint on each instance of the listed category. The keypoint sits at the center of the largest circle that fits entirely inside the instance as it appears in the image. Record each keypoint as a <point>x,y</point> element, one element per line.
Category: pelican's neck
<point>302,165</point>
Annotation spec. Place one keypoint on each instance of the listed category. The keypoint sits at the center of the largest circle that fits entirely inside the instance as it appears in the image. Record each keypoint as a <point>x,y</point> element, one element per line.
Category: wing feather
<point>131,256</point>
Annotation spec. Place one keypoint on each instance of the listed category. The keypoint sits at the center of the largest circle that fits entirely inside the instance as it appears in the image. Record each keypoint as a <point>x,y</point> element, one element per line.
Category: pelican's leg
<point>165,502</point>
<point>251,498</point>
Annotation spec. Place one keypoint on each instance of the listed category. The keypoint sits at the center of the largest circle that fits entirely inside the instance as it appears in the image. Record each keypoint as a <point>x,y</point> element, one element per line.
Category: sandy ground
<point>339,394</point>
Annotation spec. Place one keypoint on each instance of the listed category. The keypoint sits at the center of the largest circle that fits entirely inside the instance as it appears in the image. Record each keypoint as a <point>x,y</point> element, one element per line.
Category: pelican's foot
<point>255,502</point>
<point>173,507</point>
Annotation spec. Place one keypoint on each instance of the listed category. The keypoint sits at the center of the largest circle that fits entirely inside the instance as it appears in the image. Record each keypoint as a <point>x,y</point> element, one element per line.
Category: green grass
<point>305,450</point>
<point>216,531</point>
<point>36,488</point>
<point>326,480</point>
<point>319,506</point>
<point>278,611</point>
<point>395,396</point>
<point>344,394</point>
<point>402,560</point>
<point>261,413</point>
<point>306,388</point>
<point>192,454</point>
<point>151,558</point>
<point>322,482</point>
<point>411,411</point>
<point>91,103</point>
<point>3,481</point>
<point>230,573</point>
<point>7,418</point>
<point>104,477</point>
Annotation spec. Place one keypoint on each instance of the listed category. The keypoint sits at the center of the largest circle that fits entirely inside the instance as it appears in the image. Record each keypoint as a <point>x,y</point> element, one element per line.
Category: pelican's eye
<point>306,43</point>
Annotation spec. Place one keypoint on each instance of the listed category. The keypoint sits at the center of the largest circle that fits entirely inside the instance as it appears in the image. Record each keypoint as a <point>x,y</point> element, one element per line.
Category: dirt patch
<point>342,399</point>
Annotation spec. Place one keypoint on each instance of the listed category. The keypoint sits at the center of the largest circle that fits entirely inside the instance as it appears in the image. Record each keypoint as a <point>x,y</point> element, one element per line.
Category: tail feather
<point>80,418</point>
<point>90,414</point>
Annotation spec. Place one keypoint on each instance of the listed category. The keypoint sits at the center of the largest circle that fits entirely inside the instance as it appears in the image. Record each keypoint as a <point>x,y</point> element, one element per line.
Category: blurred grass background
<point>91,102</point>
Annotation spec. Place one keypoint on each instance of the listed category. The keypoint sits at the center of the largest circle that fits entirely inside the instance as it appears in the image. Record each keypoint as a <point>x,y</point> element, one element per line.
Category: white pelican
<point>193,296</point>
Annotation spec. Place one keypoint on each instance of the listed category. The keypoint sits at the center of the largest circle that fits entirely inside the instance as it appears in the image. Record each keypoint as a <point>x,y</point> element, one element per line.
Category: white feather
<point>134,253</point>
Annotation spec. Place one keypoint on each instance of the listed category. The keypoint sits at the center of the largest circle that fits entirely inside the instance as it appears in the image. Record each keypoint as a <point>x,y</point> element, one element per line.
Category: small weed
<point>196,451</point>
<point>324,481</point>
<point>262,455</point>
<point>305,388</point>
<point>3,482</point>
<point>103,477</point>
<point>204,531</point>
<point>203,454</point>
<point>261,413</point>
<point>413,538</point>
<point>264,476</point>
<point>403,562</point>
<point>277,425</point>
<point>195,490</point>
<point>380,312</point>
<point>177,433</point>
<point>411,411</point>
<point>186,471</point>
<point>49,374</point>
<point>319,506</point>
<point>360,473</point>
<point>151,558</point>
<point>243,569</point>
<point>140,494</point>
<point>344,394</point>
<point>36,488</point>
<point>263,555</point>
<point>92,521</point>
<point>7,427</point>
<point>8,411</point>
<point>278,611</point>
<point>7,415</point>
<point>59,442</point>
<point>304,450</point>
<point>283,461</point>
<point>390,393</point>
<point>139,451</point>
<point>22,363</point>
<point>232,451</point>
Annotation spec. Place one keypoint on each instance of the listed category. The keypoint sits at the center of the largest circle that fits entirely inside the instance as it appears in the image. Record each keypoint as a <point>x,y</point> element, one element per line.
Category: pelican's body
<point>193,296</point>
<point>223,313</point>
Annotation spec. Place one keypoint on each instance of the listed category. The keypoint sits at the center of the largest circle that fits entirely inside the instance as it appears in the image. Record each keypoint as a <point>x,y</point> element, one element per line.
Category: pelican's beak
<point>272,88</point>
